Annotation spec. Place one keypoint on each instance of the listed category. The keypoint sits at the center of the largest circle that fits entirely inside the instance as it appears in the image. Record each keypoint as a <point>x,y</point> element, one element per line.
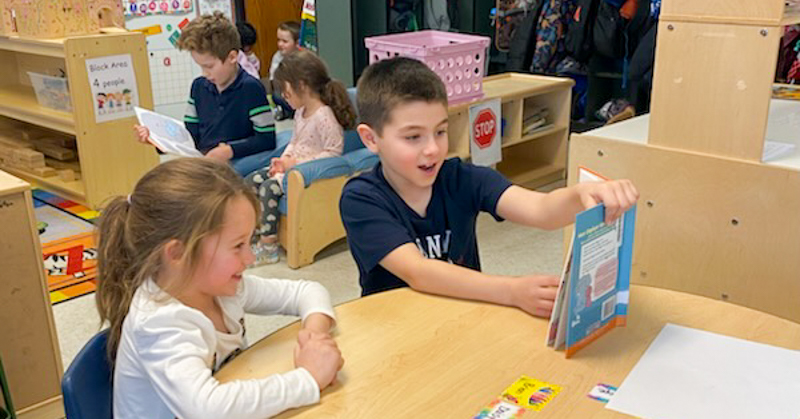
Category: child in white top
<point>288,35</point>
<point>323,112</point>
<point>171,285</point>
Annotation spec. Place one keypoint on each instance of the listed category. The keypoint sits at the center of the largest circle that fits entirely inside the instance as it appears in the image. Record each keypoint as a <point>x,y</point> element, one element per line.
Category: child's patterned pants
<point>269,193</point>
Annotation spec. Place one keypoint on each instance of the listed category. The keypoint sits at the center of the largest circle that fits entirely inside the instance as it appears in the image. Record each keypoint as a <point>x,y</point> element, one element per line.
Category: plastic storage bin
<point>52,92</point>
<point>457,58</point>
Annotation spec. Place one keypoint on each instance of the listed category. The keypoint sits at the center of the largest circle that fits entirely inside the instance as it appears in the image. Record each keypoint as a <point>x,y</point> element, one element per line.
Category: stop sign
<point>484,128</point>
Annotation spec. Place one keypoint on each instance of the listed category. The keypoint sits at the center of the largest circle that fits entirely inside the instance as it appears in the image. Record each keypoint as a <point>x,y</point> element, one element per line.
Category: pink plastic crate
<point>457,58</point>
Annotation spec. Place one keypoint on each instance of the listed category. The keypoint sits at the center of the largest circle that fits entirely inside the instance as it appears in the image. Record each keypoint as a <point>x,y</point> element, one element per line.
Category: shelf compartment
<point>46,47</point>
<point>512,115</point>
<point>458,133</point>
<point>535,163</point>
<point>536,135</point>
<point>19,102</point>
<point>557,105</point>
<point>536,176</point>
<point>73,190</point>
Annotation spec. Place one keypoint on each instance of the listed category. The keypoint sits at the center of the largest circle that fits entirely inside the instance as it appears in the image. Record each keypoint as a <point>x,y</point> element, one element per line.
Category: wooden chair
<point>310,218</point>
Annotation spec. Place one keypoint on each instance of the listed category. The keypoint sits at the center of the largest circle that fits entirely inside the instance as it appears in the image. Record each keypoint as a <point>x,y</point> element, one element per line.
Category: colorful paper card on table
<point>499,409</point>
<point>602,392</point>
<point>530,393</point>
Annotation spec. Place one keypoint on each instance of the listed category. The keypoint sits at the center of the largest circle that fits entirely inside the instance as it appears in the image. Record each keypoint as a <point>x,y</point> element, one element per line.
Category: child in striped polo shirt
<point>228,114</point>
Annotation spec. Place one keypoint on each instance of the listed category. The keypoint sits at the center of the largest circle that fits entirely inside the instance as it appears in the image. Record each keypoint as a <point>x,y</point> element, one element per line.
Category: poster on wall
<point>308,26</point>
<point>113,85</point>
<point>154,7</point>
<point>208,7</point>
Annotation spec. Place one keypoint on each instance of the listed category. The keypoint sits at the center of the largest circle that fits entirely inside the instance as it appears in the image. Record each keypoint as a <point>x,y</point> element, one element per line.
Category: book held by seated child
<point>167,134</point>
<point>592,296</point>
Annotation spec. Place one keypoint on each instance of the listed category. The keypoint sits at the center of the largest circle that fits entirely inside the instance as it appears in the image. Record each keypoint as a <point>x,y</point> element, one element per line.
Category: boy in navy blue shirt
<point>228,114</point>
<point>411,220</point>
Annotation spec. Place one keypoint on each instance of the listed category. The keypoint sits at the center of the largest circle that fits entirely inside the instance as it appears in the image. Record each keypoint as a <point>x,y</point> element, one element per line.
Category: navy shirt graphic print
<point>378,221</point>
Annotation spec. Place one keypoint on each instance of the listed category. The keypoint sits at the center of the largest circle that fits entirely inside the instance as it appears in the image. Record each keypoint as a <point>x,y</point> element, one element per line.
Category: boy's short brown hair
<point>292,27</point>
<point>392,82</point>
<point>210,34</point>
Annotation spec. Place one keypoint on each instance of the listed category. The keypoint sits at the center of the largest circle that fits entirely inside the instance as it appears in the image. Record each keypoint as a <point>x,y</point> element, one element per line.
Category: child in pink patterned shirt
<point>323,112</point>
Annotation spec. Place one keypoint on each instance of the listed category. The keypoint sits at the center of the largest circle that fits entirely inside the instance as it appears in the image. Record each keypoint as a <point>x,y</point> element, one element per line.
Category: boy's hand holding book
<point>618,196</point>
<point>535,294</point>
<point>142,133</point>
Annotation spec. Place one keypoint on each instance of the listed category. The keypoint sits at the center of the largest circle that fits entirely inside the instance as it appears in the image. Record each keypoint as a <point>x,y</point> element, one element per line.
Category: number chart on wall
<point>171,73</point>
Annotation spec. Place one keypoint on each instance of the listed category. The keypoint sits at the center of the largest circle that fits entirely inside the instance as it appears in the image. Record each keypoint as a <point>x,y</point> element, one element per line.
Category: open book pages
<point>168,134</point>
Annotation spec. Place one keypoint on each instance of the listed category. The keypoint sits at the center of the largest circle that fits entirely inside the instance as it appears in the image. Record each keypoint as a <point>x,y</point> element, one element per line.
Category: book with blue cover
<point>593,294</point>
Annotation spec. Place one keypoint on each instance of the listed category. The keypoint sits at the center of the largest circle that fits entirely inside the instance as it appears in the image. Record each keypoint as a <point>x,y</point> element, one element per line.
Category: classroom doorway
<point>265,17</point>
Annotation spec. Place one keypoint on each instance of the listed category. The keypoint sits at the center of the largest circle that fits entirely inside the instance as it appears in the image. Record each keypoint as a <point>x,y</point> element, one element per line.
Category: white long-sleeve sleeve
<point>168,351</point>
<point>284,296</point>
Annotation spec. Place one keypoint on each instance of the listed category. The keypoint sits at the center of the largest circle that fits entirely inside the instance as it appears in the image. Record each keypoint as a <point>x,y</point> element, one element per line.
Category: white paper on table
<point>168,134</point>
<point>688,373</point>
<point>774,150</point>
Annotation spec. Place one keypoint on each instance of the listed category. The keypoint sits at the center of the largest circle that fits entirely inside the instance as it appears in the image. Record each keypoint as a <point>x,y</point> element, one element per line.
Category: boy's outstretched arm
<point>532,293</point>
<point>558,208</point>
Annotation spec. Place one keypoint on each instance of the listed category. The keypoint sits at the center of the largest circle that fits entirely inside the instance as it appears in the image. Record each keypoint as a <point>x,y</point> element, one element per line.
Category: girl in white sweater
<point>171,285</point>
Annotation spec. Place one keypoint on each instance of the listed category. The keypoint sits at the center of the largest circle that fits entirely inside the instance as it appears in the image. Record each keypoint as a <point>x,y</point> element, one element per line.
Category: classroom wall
<point>335,37</point>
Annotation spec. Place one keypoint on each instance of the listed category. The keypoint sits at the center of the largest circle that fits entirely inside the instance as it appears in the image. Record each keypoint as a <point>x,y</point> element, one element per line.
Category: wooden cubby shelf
<point>534,159</point>
<point>108,161</point>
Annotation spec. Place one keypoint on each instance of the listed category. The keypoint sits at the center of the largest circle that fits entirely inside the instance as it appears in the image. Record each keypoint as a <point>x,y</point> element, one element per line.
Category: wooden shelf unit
<point>110,159</point>
<point>29,346</point>
<point>712,219</point>
<point>533,159</point>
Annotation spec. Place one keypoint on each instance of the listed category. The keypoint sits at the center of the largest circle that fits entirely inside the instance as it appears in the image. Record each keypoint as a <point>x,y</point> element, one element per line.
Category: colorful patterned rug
<point>67,236</point>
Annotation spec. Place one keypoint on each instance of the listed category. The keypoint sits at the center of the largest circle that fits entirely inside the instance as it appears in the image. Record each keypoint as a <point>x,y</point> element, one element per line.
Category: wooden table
<point>414,355</point>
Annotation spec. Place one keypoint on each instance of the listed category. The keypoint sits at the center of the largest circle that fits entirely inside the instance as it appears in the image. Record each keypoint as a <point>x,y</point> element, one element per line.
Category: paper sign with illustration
<point>485,136</point>
<point>113,84</point>
<point>168,134</point>
<point>211,6</point>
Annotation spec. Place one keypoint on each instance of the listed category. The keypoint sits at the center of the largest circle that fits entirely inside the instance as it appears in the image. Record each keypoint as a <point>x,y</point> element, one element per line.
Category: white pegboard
<point>172,74</point>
